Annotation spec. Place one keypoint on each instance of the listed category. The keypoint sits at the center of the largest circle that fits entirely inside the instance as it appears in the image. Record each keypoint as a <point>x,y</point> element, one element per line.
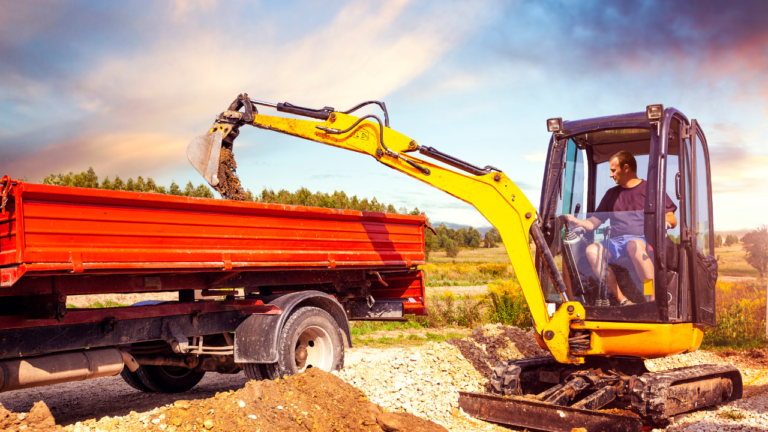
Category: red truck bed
<point>53,230</point>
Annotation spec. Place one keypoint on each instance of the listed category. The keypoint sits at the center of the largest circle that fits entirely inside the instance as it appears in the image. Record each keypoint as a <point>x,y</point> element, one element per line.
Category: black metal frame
<point>654,209</point>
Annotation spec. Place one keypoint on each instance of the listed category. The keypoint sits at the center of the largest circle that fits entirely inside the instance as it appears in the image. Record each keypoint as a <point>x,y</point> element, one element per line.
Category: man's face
<point>618,174</point>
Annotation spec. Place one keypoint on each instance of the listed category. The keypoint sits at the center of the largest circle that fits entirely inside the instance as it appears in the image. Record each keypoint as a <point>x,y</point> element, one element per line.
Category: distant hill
<point>738,233</point>
<point>456,226</point>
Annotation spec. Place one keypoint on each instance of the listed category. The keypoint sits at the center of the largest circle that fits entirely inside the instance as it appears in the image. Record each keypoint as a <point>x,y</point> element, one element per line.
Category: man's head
<point>623,167</point>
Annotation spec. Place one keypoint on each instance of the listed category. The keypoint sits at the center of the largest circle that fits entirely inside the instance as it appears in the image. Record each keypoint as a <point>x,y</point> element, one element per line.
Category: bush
<point>448,309</point>
<point>756,245</point>
<point>740,316</point>
<point>508,304</point>
<point>451,249</point>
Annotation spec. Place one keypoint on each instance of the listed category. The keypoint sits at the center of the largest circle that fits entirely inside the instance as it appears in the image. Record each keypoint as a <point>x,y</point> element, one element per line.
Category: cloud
<point>169,87</point>
<point>122,153</point>
<point>736,167</point>
<point>704,41</point>
<point>536,157</point>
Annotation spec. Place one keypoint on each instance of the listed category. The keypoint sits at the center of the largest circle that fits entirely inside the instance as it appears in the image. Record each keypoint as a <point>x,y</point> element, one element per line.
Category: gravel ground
<point>423,381</point>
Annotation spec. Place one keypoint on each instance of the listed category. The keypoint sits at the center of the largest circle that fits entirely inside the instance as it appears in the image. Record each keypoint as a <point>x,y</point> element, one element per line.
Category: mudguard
<point>256,338</point>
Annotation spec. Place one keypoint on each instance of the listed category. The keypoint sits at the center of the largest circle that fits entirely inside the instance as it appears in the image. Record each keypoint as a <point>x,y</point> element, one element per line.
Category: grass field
<point>467,255</point>
<point>733,263</point>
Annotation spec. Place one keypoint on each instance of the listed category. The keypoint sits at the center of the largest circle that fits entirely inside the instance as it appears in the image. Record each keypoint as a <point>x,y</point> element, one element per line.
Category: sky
<point>124,86</point>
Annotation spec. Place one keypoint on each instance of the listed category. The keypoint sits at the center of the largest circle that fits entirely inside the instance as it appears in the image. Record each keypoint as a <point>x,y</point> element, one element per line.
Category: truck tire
<point>168,379</point>
<point>133,380</point>
<point>310,338</point>
<point>252,371</point>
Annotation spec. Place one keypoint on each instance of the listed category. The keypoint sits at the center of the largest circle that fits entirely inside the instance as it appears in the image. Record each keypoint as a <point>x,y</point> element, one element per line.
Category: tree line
<point>89,179</point>
<point>447,238</point>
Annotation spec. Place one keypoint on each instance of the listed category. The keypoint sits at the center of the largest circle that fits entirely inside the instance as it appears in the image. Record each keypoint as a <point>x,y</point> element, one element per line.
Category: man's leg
<point>595,256</point>
<point>641,260</point>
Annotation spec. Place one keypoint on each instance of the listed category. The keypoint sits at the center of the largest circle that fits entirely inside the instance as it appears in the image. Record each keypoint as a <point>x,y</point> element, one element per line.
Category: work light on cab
<point>555,124</point>
<point>654,112</point>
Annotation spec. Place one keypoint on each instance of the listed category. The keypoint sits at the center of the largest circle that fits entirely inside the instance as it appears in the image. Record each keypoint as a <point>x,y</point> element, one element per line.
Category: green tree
<point>174,189</point>
<point>492,237</point>
<point>118,183</point>
<point>718,241</point>
<point>756,245</point>
<point>451,248</point>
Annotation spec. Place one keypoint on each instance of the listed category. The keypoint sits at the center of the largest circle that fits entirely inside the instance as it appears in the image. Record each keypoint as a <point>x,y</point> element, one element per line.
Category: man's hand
<point>573,222</point>
<point>590,224</point>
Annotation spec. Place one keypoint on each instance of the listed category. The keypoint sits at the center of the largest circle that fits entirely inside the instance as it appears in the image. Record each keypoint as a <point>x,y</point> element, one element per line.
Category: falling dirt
<point>229,184</point>
<point>314,401</point>
<point>38,419</point>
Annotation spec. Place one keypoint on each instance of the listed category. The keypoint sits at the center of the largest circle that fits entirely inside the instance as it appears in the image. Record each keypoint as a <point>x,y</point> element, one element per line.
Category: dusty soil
<point>229,184</point>
<point>311,401</point>
<point>491,343</point>
<point>422,382</point>
<point>38,419</point>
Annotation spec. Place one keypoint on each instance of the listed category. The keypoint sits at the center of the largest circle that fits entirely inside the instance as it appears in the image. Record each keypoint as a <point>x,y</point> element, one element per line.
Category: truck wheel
<point>169,379</point>
<point>133,380</point>
<point>252,371</point>
<point>310,338</point>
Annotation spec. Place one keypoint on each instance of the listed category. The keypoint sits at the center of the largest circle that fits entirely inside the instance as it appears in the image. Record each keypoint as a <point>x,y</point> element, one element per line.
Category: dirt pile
<point>489,344</point>
<point>38,419</point>
<point>426,380</point>
<point>229,184</point>
<point>312,401</point>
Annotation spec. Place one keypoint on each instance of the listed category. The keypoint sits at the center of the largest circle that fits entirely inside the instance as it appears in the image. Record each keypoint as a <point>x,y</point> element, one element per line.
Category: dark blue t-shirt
<point>624,206</point>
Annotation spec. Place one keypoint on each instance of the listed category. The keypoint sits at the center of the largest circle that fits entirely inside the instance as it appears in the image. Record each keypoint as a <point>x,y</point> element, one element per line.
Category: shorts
<point>617,246</point>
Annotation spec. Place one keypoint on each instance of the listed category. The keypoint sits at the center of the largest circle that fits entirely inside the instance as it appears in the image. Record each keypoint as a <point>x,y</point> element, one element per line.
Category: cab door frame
<point>703,268</point>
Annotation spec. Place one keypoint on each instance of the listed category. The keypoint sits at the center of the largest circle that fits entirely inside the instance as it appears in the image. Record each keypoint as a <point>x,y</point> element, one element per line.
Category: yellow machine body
<point>505,206</point>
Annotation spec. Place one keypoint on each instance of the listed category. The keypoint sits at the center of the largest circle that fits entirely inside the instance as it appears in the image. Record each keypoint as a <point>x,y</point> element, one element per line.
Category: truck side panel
<point>75,230</point>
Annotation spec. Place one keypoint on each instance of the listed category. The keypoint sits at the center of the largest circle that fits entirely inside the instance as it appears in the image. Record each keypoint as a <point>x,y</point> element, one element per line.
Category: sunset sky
<point>124,86</point>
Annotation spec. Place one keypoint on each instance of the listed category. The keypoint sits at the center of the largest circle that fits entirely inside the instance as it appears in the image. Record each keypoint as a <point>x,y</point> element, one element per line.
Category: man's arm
<point>589,224</point>
<point>671,220</point>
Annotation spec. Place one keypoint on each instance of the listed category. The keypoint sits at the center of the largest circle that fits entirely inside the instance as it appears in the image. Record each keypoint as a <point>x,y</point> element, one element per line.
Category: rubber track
<point>649,394</point>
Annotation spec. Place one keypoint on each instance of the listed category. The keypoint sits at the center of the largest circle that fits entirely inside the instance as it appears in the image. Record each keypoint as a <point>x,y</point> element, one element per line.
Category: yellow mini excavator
<point>595,377</point>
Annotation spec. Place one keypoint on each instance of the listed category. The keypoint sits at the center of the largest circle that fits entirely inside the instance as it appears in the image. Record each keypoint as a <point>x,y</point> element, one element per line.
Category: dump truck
<point>265,288</point>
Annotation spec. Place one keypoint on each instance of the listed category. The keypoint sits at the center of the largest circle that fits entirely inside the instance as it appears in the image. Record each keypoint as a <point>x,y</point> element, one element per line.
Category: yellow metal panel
<point>648,287</point>
<point>640,340</point>
<point>557,332</point>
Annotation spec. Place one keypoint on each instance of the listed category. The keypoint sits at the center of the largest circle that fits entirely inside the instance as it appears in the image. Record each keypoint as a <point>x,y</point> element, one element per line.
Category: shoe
<point>626,302</point>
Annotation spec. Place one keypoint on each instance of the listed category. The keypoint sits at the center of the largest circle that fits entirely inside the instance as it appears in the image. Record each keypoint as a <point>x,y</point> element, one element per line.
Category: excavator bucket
<point>532,414</point>
<point>203,153</point>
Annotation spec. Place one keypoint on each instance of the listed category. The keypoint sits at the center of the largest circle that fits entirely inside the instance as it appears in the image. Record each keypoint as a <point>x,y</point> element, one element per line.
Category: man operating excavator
<point>623,205</point>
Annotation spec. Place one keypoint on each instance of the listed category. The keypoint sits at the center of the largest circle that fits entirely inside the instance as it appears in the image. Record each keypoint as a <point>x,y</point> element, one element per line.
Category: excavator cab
<point>634,267</point>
